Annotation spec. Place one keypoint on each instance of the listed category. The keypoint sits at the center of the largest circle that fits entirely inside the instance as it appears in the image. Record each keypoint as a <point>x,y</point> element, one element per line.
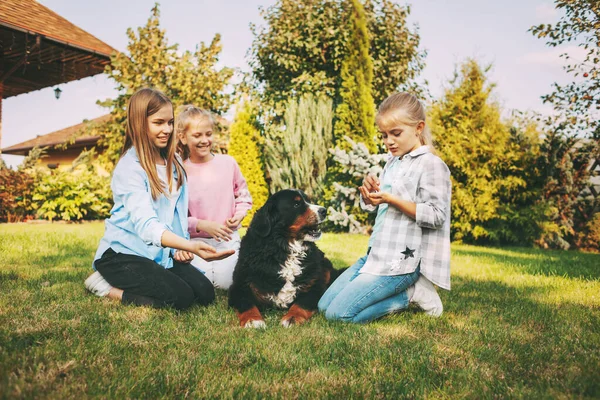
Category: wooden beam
<point>23,60</point>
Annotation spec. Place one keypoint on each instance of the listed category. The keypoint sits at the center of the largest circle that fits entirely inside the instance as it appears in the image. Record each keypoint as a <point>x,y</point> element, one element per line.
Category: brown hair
<point>186,115</point>
<point>144,103</point>
<point>407,109</point>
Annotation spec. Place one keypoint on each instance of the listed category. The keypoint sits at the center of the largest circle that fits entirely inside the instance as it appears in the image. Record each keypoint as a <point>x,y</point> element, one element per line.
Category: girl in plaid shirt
<point>409,249</point>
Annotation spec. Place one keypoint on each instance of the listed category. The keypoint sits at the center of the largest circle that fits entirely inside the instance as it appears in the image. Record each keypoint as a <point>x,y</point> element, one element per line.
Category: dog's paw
<point>256,324</point>
<point>288,322</point>
<point>296,316</point>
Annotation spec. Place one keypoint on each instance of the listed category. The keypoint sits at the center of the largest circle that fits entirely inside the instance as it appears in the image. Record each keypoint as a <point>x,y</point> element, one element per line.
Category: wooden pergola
<point>39,49</point>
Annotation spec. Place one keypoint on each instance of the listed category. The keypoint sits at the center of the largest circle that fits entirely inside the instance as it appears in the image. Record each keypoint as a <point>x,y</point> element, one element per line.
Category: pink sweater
<point>217,192</point>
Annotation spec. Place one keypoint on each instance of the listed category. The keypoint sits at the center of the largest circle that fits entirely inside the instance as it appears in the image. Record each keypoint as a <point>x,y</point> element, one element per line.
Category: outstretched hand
<point>209,253</point>
<point>183,256</point>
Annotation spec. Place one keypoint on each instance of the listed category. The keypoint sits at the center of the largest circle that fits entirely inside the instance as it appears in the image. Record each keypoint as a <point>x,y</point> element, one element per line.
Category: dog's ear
<point>262,220</point>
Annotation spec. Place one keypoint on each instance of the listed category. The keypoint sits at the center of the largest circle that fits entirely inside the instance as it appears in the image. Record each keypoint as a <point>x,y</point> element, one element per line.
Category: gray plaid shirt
<point>403,242</point>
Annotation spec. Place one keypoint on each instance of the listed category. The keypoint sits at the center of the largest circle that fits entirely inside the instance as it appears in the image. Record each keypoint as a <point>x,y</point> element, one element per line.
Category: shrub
<point>77,193</point>
<point>244,147</point>
<point>15,195</point>
<point>353,166</point>
<point>589,238</point>
<point>307,125</point>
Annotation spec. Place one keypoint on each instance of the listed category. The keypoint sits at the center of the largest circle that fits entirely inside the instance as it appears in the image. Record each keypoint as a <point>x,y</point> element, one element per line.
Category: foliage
<point>303,44</point>
<point>245,147</point>
<point>566,166</point>
<point>522,211</point>
<point>355,114</point>
<point>15,195</point>
<point>354,165</point>
<point>16,188</point>
<point>589,238</point>
<point>186,78</point>
<point>77,193</point>
<point>567,158</point>
<point>475,145</point>
<point>296,150</point>
<point>577,102</point>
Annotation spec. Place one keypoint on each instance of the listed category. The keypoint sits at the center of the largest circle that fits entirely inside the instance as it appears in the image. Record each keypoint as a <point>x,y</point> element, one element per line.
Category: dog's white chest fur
<point>289,271</point>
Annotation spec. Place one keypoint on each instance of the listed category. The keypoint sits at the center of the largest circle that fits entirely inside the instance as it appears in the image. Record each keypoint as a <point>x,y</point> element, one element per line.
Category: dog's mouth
<point>313,233</point>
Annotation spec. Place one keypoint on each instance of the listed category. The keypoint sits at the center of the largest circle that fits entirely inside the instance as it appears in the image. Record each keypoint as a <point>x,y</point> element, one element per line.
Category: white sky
<point>451,31</point>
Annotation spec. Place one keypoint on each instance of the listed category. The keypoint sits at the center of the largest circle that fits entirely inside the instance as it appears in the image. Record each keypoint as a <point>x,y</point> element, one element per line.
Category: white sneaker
<point>96,284</point>
<point>427,298</point>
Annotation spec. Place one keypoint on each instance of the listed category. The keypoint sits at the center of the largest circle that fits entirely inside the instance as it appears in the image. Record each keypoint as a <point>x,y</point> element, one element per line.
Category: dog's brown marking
<point>297,315</point>
<point>260,296</point>
<point>308,217</point>
<point>251,315</point>
<point>327,276</point>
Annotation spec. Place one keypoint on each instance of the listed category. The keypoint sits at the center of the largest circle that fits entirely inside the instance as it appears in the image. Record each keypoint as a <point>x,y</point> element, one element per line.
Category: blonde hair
<point>144,103</point>
<point>404,108</point>
<point>186,115</point>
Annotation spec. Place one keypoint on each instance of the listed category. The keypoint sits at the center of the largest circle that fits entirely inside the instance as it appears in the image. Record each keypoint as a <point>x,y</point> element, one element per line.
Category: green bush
<point>74,194</point>
<point>589,238</point>
<point>307,125</point>
<point>15,195</point>
<point>352,166</point>
<point>244,147</point>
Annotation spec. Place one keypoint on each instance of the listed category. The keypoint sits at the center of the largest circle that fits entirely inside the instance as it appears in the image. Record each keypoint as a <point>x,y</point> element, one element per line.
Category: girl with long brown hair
<point>144,256</point>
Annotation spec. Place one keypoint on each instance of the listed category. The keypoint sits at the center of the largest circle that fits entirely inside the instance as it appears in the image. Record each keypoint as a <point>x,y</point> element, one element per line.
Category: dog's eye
<point>296,205</point>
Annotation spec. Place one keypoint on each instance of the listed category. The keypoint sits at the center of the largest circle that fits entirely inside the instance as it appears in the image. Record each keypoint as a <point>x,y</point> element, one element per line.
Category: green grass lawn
<point>519,323</point>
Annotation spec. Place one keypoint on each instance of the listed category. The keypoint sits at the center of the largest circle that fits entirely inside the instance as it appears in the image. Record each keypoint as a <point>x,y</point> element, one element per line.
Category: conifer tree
<point>244,146</point>
<point>355,115</point>
<point>474,143</point>
<point>296,151</point>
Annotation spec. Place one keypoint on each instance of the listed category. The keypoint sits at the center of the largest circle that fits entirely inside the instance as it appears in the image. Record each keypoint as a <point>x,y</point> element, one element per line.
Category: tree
<point>577,102</point>
<point>303,44</point>
<point>568,157</point>
<point>565,166</point>
<point>475,145</point>
<point>296,151</point>
<point>356,111</point>
<point>245,147</point>
<point>189,78</point>
<point>522,216</point>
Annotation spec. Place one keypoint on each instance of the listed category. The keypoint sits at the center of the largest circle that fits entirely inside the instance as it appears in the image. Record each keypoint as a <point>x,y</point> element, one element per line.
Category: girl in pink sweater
<point>218,194</point>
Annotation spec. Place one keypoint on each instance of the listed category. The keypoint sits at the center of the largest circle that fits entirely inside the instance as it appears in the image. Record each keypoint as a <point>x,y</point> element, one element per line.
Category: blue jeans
<point>360,298</point>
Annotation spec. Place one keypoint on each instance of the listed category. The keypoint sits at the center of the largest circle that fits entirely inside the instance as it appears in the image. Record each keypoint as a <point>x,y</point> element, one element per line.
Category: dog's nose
<point>322,212</point>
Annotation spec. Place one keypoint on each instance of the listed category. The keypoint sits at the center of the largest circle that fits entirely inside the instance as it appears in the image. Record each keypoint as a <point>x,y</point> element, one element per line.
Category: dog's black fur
<point>286,218</point>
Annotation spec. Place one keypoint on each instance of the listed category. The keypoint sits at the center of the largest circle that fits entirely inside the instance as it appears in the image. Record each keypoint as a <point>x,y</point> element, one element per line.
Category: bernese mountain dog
<point>279,264</point>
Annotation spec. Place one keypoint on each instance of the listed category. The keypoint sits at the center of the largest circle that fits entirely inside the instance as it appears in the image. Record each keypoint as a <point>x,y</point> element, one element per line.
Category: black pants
<point>144,282</point>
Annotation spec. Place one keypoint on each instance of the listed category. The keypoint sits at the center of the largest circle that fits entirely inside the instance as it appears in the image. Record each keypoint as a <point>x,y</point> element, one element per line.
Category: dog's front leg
<point>304,307</point>
<point>241,300</point>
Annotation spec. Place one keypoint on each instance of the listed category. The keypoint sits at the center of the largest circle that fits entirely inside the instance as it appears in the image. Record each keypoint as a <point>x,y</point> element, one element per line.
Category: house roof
<point>62,136</point>
<point>41,48</point>
<point>57,138</point>
<point>31,16</point>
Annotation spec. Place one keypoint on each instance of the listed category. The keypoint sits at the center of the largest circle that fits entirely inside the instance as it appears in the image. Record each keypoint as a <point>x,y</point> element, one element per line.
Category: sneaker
<point>96,284</point>
<point>427,298</point>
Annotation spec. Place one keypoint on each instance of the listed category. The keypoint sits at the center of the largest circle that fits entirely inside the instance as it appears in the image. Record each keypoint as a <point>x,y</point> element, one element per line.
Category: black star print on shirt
<point>408,253</point>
